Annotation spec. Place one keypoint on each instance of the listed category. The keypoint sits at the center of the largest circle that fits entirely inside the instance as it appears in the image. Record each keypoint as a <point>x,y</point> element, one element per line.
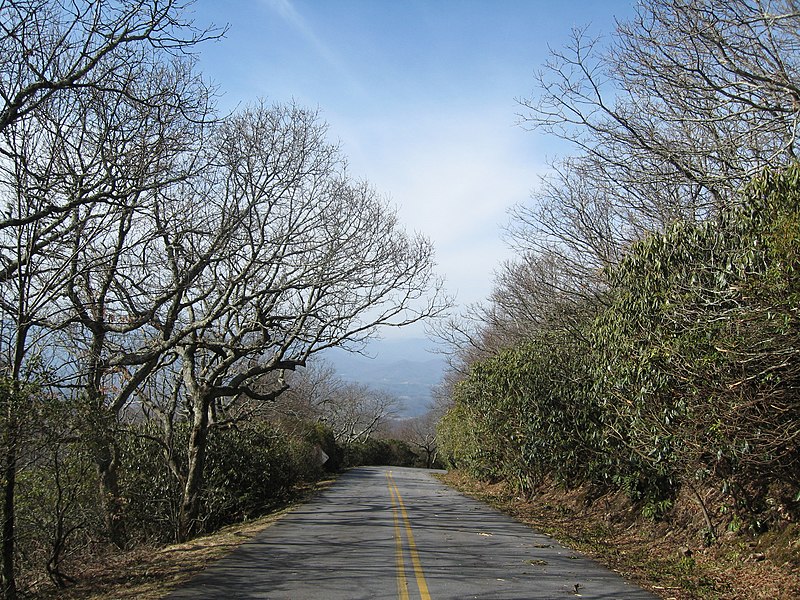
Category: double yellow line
<point>398,512</point>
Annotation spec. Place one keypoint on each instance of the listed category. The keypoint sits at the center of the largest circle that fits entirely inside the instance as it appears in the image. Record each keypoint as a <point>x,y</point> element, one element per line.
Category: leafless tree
<point>683,105</point>
<point>27,298</point>
<point>667,118</point>
<point>152,253</point>
<point>118,284</point>
<point>97,97</point>
<point>356,412</point>
<point>530,292</point>
<point>420,432</point>
<point>53,48</point>
<point>308,391</point>
<point>312,261</point>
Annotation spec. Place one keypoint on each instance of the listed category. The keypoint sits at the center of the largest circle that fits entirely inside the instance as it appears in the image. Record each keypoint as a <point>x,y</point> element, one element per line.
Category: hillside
<point>404,368</point>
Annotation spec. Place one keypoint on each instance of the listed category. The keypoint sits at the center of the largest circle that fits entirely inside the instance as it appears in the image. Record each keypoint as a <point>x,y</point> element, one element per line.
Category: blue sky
<point>421,95</point>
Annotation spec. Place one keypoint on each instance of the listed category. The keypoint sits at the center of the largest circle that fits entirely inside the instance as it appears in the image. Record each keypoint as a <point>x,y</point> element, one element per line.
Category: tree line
<point>646,338</point>
<point>163,267</point>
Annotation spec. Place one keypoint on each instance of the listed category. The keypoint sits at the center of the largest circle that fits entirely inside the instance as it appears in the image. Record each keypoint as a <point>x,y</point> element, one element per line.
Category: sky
<point>422,96</point>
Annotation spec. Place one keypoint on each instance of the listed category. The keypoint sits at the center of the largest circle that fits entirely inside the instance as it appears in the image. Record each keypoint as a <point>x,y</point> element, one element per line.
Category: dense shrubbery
<point>380,452</point>
<point>526,413</point>
<point>251,469</point>
<point>686,374</point>
<point>58,515</point>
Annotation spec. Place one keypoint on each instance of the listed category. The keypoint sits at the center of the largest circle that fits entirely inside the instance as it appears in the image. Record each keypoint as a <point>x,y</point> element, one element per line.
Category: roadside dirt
<point>150,573</point>
<point>667,557</point>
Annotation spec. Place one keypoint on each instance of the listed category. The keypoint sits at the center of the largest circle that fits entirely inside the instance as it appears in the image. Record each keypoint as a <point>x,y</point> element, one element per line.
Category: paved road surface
<point>394,533</point>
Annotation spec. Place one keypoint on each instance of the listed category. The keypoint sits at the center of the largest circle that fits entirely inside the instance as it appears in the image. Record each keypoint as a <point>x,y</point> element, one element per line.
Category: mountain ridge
<point>389,366</point>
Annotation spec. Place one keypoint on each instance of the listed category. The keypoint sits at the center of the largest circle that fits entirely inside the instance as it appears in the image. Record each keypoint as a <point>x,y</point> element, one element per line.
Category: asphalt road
<point>389,532</point>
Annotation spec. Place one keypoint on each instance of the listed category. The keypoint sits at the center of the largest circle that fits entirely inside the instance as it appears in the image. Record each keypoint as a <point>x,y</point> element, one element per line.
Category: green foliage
<point>689,371</point>
<point>55,497</point>
<point>248,470</point>
<point>526,414</point>
<point>380,452</point>
<point>57,510</point>
<point>696,351</point>
<point>152,491</point>
<point>655,509</point>
<point>319,435</point>
<point>460,444</point>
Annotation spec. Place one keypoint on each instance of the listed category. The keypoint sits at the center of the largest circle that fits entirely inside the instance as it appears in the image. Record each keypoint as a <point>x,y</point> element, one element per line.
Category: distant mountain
<point>402,367</point>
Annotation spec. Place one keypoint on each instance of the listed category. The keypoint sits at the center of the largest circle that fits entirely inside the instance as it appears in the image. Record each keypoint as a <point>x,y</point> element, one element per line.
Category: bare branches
<point>159,249</point>
<point>311,260</point>
<point>669,118</point>
<point>52,47</point>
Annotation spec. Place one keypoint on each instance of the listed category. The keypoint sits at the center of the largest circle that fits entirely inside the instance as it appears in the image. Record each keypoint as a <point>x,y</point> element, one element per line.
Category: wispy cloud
<point>453,174</point>
<point>287,11</point>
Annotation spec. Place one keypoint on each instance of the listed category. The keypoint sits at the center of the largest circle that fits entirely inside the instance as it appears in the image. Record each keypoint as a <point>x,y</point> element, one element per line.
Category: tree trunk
<point>9,485</point>
<point>101,425</point>
<point>198,443</point>
<point>105,456</point>
<point>429,458</point>
<point>100,433</point>
<point>11,436</point>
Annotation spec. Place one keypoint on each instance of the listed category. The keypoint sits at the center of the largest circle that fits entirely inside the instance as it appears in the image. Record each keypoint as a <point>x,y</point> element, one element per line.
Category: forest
<point>167,271</point>
<point>646,340</point>
<point>171,274</point>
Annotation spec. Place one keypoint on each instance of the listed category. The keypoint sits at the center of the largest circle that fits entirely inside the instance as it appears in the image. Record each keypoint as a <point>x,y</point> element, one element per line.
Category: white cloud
<point>453,177</point>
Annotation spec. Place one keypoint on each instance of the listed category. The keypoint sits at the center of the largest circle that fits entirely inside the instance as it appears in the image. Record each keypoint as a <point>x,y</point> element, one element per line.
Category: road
<point>389,532</point>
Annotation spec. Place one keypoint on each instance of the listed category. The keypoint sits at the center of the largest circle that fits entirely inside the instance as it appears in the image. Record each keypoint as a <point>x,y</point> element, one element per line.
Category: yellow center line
<point>402,584</point>
<point>412,547</point>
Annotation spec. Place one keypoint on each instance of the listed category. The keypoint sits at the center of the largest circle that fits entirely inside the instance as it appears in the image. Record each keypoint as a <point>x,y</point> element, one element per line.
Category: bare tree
<point>149,257</point>
<point>118,283</point>
<point>528,293</point>
<point>683,105</point>
<point>307,393</point>
<point>356,412</point>
<point>52,48</point>
<point>668,119</point>
<point>27,300</point>
<point>97,100</point>
<point>313,261</point>
<point>420,432</point>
